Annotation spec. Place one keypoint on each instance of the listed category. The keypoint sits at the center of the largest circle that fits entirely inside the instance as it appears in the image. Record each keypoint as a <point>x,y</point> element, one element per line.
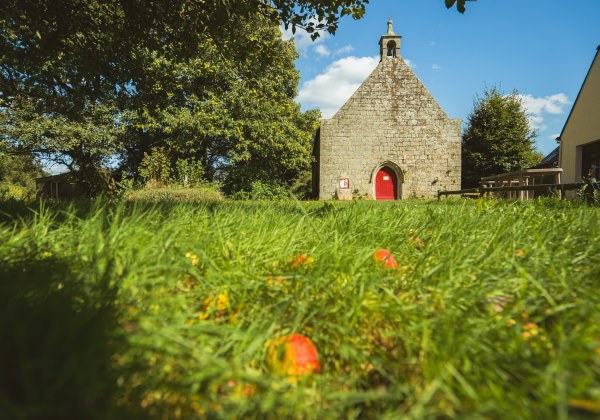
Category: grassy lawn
<point>165,310</point>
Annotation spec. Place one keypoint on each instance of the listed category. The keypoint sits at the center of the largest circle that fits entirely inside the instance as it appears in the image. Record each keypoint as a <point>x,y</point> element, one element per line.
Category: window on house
<point>590,160</point>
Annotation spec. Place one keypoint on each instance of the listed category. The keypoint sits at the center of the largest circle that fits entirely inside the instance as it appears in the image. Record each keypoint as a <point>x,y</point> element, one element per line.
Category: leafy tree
<point>20,170</point>
<point>460,4</point>
<point>230,109</point>
<point>497,137</point>
<point>72,71</point>
<point>83,144</point>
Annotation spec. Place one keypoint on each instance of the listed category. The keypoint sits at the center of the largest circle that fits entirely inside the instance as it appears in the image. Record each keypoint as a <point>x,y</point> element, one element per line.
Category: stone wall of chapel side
<point>392,117</point>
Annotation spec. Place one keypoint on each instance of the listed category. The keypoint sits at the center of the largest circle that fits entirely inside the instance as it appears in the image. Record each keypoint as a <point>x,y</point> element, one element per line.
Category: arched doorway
<point>386,184</point>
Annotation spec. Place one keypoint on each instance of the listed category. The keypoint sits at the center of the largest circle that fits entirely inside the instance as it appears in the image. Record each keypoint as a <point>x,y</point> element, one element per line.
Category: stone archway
<point>387,169</point>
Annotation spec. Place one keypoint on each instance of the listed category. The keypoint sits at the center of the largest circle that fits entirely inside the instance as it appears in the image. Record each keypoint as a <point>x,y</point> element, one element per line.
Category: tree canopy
<point>497,137</point>
<point>234,112</point>
<point>82,82</point>
<point>74,52</point>
<point>20,170</point>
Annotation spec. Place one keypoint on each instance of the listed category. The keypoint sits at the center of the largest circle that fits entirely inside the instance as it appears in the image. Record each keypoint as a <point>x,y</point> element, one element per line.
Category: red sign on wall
<point>344,183</point>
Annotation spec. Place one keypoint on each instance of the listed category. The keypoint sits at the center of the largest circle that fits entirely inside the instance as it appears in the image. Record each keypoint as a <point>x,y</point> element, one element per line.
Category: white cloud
<point>302,38</point>
<point>551,104</point>
<point>436,67</point>
<point>538,107</point>
<point>322,50</point>
<point>554,136</point>
<point>330,90</point>
<point>431,43</point>
<point>537,122</point>
<point>410,63</point>
<point>344,50</point>
<point>55,168</point>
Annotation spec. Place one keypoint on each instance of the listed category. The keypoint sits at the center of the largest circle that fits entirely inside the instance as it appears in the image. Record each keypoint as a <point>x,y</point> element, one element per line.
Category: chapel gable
<point>390,140</point>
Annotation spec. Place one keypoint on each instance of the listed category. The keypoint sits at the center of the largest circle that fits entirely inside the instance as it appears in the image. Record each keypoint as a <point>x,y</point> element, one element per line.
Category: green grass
<point>496,316</point>
<point>173,194</point>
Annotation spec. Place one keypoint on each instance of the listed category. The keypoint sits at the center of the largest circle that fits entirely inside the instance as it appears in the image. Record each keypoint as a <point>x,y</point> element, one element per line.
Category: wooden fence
<point>557,189</point>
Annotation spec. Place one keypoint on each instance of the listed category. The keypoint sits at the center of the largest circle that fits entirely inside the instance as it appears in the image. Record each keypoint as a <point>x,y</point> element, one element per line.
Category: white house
<point>579,140</point>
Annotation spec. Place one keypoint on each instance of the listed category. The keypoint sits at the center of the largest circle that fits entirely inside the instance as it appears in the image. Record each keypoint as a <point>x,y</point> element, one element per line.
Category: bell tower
<point>389,44</point>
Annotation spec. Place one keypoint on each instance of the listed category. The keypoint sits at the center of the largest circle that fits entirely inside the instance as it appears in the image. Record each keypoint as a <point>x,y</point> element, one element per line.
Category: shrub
<point>188,172</point>
<point>155,167</point>
<point>263,190</point>
<point>16,192</point>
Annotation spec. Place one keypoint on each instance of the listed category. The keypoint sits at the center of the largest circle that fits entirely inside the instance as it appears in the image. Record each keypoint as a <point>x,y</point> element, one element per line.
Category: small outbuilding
<point>60,186</point>
<point>390,140</point>
<point>65,186</point>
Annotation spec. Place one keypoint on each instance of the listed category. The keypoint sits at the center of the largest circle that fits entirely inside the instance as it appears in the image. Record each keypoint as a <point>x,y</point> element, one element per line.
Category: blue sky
<point>542,48</point>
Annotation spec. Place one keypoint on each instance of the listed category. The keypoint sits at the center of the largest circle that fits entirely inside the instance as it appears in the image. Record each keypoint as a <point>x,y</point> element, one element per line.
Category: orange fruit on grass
<point>386,257</point>
<point>416,242</point>
<point>293,355</point>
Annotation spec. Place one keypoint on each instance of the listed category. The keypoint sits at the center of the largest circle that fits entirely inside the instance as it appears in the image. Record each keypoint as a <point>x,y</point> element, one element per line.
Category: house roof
<point>550,161</point>
<point>523,172</point>
<point>65,174</point>
<point>52,177</point>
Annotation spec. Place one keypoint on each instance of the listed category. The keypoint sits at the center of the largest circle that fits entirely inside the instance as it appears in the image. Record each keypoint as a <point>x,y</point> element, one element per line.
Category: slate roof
<point>550,161</point>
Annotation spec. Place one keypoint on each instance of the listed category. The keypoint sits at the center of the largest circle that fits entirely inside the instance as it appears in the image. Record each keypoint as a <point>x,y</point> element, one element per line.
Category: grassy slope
<point>496,316</point>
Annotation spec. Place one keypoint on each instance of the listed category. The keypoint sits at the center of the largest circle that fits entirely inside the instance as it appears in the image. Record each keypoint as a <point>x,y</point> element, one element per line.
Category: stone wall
<point>391,119</point>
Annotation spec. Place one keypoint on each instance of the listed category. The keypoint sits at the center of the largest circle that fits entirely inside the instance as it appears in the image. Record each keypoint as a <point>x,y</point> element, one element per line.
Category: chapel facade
<point>391,140</point>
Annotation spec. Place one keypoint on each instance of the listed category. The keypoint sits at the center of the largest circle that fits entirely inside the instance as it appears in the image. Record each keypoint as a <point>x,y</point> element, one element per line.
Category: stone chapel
<point>391,140</point>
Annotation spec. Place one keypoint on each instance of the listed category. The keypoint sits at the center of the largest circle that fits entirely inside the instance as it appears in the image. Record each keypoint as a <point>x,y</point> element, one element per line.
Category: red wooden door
<point>386,184</point>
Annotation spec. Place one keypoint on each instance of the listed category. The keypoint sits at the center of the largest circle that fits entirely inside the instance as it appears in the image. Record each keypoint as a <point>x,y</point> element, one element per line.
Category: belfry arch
<point>391,49</point>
